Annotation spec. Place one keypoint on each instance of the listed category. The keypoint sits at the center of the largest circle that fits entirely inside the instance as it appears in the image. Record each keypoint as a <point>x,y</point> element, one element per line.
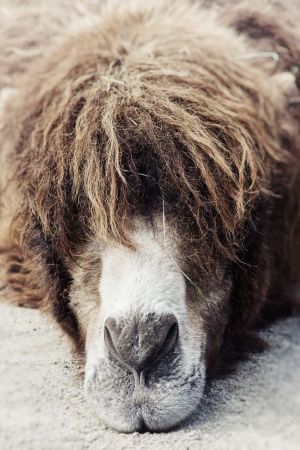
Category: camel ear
<point>285,91</point>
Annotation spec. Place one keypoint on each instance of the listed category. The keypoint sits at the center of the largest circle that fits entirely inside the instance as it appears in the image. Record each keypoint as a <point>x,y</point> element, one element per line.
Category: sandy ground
<point>41,403</point>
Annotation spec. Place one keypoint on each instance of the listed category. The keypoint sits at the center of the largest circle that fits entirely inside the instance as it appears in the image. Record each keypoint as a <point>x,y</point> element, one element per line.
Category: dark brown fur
<point>104,133</point>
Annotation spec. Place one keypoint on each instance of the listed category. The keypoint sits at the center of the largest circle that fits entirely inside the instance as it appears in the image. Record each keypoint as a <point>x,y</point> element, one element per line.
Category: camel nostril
<point>110,344</point>
<point>169,342</point>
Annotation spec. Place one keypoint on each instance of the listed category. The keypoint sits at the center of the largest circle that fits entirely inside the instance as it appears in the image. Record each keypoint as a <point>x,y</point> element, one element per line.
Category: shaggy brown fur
<point>133,112</point>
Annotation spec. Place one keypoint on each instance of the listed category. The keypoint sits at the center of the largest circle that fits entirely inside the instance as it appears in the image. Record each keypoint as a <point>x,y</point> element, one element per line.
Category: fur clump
<point>135,111</point>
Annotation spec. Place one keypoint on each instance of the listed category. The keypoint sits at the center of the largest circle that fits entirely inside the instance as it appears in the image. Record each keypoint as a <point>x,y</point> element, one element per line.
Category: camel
<point>150,185</point>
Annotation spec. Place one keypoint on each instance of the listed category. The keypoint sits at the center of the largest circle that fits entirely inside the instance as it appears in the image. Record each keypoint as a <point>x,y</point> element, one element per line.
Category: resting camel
<point>150,187</point>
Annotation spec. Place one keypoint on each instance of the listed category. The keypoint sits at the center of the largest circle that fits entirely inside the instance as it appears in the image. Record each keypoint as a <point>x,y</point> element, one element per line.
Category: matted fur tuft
<point>152,104</point>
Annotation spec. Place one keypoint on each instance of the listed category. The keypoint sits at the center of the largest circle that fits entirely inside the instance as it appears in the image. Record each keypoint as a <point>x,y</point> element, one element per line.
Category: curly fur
<point>152,103</point>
